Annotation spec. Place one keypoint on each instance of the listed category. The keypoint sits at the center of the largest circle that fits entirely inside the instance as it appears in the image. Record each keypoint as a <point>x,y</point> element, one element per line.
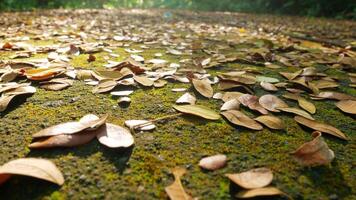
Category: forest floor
<point>206,44</point>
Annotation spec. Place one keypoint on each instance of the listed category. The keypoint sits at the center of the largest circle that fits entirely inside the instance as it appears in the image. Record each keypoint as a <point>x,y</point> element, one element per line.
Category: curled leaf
<point>315,152</point>
<point>232,104</point>
<point>186,99</point>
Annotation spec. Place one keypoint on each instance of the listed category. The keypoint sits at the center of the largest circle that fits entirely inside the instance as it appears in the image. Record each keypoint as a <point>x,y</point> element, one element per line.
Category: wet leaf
<point>315,152</point>
<point>197,110</point>
<point>34,167</point>
<point>213,162</point>
<point>266,191</point>
<point>115,136</point>
<point>318,126</point>
<point>240,119</point>
<point>347,106</point>
<point>203,87</point>
<point>252,179</point>
<point>176,191</point>
<point>272,122</point>
<point>271,102</point>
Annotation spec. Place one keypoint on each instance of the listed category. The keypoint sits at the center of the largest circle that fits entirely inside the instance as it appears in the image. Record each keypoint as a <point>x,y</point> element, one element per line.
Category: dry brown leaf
<point>271,102</point>
<point>232,104</point>
<point>115,136</point>
<point>306,105</point>
<point>186,99</point>
<point>266,191</point>
<point>203,87</point>
<point>41,74</point>
<point>268,86</point>
<point>252,102</point>
<point>57,84</point>
<point>213,162</point>
<point>34,167</point>
<point>320,127</point>
<point>88,122</point>
<point>297,111</point>
<point>333,95</point>
<point>347,106</point>
<point>315,152</point>
<point>143,81</point>
<point>272,122</point>
<point>104,86</point>
<point>4,101</point>
<point>197,110</point>
<point>176,191</point>
<point>252,179</point>
<point>238,118</point>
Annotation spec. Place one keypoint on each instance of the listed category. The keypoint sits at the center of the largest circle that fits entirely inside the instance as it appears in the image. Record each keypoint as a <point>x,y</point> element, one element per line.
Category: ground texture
<point>93,171</point>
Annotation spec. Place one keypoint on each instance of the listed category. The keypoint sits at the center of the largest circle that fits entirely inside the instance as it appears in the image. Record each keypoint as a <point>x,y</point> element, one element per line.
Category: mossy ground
<point>93,171</point>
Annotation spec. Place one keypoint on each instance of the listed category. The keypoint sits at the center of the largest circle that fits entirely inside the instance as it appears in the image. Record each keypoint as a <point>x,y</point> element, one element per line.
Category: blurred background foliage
<point>324,8</point>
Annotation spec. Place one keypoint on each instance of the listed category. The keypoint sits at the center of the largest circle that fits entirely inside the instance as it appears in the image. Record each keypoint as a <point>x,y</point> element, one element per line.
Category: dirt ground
<point>93,171</point>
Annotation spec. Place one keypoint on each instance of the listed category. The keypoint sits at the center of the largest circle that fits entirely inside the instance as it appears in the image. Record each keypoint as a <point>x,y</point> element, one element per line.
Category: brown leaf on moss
<point>176,191</point>
<point>271,122</point>
<point>213,162</point>
<point>198,110</point>
<point>203,87</point>
<point>318,126</point>
<point>347,106</point>
<point>252,102</point>
<point>115,136</point>
<point>266,191</point>
<point>104,86</point>
<point>271,102</point>
<point>238,118</point>
<point>34,167</point>
<point>88,122</point>
<point>252,179</point>
<point>143,81</point>
<point>315,152</point>
<point>296,111</point>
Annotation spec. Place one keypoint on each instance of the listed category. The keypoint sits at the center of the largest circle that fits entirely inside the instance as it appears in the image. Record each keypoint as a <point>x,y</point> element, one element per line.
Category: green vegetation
<point>326,8</point>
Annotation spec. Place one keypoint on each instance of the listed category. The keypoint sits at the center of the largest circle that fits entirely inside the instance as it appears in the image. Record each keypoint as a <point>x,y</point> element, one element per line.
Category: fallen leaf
<point>143,81</point>
<point>268,86</point>
<point>306,105</point>
<point>272,122</point>
<point>251,102</point>
<point>347,106</point>
<point>271,102</point>
<point>240,119</point>
<point>72,127</point>
<point>266,191</point>
<point>176,191</point>
<point>296,111</point>
<point>203,87</point>
<point>104,86</point>
<point>320,127</point>
<point>252,179</point>
<point>213,162</point>
<point>115,136</point>
<point>34,167</point>
<point>315,152</point>
<point>232,104</point>
<point>200,111</point>
<point>333,95</point>
<point>186,99</point>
